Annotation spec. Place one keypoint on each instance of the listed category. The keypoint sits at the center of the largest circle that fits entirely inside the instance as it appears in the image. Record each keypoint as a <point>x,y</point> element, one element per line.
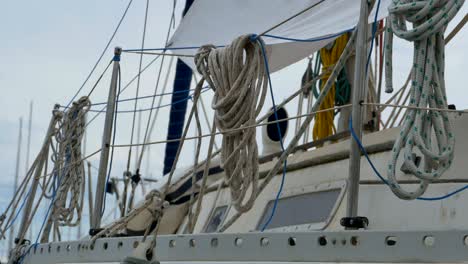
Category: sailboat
<point>356,185</point>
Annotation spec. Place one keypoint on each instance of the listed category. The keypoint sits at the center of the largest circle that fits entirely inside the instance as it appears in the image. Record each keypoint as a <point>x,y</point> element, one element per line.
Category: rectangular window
<point>307,208</point>
<point>216,219</point>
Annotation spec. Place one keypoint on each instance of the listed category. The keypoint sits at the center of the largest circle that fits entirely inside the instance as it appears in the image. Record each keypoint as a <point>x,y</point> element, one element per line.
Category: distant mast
<point>182,80</point>
<point>28,150</point>
<point>15,185</point>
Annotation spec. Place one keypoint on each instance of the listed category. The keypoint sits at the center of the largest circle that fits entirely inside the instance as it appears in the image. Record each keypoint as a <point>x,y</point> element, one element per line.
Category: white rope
<point>154,203</point>
<point>429,19</point>
<point>68,201</point>
<point>63,139</point>
<point>237,75</point>
<point>289,149</point>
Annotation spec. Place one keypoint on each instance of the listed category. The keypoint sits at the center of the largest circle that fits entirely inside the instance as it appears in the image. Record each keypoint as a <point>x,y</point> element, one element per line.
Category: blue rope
<point>310,39</point>
<point>19,211</point>
<point>165,49</point>
<point>374,32</point>
<point>363,150</point>
<point>254,37</point>
<point>42,225</point>
<point>267,69</point>
<point>44,221</point>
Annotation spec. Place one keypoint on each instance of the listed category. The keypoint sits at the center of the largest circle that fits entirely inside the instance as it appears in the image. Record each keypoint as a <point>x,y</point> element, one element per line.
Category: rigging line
<point>10,224</point>
<point>166,80</point>
<point>418,108</point>
<point>103,52</point>
<point>99,79</point>
<point>377,173</point>
<point>161,54</point>
<point>236,129</point>
<point>291,18</point>
<point>332,36</point>
<point>147,96</point>
<point>52,201</point>
<point>457,29</point>
<point>258,123</point>
<point>151,108</point>
<point>138,86</point>
<point>145,138</point>
<point>17,196</point>
<point>139,73</point>
<point>174,5</point>
<point>222,46</point>
<point>167,48</point>
<point>72,163</point>
<point>285,163</point>
<point>123,89</point>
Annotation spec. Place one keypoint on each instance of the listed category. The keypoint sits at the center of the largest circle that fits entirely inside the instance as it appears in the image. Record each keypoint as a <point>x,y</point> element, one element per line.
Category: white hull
<point>442,225</point>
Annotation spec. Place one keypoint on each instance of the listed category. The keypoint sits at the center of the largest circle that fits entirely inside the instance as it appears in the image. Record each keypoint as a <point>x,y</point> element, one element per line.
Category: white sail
<point>219,22</point>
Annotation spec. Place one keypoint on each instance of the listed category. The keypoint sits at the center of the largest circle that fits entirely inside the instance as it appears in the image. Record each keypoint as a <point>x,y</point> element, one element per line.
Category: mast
<point>28,139</point>
<point>359,91</point>
<point>138,139</point>
<point>106,141</point>
<point>28,150</point>
<point>15,185</point>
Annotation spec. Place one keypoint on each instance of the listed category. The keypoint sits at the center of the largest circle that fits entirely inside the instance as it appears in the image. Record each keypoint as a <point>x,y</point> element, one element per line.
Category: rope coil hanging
<point>429,19</point>
<point>324,123</point>
<point>238,78</point>
<point>69,168</point>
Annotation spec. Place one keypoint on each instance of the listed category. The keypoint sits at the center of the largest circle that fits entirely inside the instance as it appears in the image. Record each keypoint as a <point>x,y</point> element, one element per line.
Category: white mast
<point>359,92</point>
<point>106,141</point>
<point>28,150</point>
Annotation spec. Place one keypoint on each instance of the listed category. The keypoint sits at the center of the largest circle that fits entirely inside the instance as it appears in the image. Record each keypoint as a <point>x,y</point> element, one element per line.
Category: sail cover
<point>218,22</point>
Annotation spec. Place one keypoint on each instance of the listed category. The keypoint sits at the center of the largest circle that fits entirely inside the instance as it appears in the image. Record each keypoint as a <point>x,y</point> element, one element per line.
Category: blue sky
<point>48,48</point>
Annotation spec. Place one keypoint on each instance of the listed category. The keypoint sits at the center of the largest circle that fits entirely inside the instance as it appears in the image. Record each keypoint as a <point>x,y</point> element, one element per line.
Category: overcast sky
<point>48,48</point>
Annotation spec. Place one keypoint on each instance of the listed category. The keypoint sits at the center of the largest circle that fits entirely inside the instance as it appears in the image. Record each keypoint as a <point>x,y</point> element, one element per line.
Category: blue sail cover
<point>183,78</point>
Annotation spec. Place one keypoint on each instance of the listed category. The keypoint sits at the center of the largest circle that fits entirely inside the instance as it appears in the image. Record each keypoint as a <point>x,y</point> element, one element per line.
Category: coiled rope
<point>429,19</point>
<point>237,75</point>
<point>324,126</point>
<point>68,163</point>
